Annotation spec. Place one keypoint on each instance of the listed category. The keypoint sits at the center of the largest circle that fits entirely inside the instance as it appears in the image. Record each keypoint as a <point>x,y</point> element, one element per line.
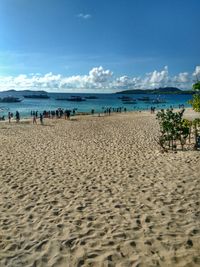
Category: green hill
<point>159,91</point>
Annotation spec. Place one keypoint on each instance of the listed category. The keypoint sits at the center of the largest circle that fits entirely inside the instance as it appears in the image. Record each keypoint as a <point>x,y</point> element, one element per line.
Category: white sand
<point>96,192</point>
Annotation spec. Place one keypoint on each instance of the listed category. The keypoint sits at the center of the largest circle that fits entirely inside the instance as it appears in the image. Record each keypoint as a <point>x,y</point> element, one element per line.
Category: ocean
<point>99,104</point>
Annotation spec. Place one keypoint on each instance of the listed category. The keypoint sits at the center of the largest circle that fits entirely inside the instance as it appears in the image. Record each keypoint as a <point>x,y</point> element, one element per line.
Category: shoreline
<point>189,113</point>
<point>98,105</point>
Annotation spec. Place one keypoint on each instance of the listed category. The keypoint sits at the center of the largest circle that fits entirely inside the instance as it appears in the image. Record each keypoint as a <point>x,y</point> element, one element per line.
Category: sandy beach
<point>96,191</point>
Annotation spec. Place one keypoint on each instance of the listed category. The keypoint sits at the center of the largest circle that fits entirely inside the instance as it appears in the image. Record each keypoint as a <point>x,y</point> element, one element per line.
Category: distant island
<point>159,91</point>
<point>21,92</point>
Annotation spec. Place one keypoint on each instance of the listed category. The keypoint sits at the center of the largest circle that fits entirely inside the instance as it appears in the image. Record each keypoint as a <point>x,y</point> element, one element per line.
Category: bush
<point>195,101</point>
<point>173,128</point>
<point>196,86</point>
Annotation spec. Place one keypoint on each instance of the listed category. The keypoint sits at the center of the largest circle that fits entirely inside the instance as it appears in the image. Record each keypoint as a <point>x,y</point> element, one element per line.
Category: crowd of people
<point>109,110</point>
<point>51,114</point>
<point>152,110</point>
<point>58,113</point>
<point>66,113</point>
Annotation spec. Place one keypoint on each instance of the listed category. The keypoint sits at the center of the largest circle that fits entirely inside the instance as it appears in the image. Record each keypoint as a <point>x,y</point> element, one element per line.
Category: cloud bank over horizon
<point>98,80</point>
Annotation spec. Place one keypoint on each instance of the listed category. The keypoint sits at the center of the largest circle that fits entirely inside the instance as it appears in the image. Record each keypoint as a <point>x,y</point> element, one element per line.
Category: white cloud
<point>155,79</point>
<point>84,16</point>
<point>125,82</point>
<point>150,80</point>
<point>197,72</point>
<point>98,79</point>
<point>159,78</point>
<point>99,75</point>
<point>182,77</point>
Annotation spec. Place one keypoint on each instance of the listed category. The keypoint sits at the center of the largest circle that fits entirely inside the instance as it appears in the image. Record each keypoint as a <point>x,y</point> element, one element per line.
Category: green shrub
<point>196,86</point>
<point>173,128</point>
<point>195,101</point>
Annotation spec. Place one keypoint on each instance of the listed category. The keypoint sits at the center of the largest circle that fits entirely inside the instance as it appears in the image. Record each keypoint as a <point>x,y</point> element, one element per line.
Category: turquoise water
<point>103,101</point>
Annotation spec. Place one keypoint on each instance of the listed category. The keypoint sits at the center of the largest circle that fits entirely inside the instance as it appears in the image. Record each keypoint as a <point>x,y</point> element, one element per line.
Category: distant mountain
<point>159,91</point>
<point>16,93</point>
<point>169,89</point>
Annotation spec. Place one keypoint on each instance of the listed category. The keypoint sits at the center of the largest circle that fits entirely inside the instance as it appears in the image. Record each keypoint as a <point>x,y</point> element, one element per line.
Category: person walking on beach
<point>65,114</point>
<point>41,118</point>
<point>34,119</point>
<point>17,116</point>
<point>68,114</point>
<point>9,117</point>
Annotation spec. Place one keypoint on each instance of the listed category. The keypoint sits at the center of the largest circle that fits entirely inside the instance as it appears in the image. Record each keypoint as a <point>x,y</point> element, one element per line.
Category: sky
<point>98,45</point>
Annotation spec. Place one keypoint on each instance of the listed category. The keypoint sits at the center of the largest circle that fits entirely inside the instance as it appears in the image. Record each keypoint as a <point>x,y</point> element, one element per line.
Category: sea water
<point>99,104</point>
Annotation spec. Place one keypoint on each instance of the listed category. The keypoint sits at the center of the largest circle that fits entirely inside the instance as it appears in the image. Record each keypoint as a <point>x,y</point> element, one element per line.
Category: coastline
<point>189,114</point>
<point>97,191</point>
<point>98,105</point>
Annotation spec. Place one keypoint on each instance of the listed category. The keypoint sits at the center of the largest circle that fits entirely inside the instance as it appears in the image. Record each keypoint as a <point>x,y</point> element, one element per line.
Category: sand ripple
<point>96,192</point>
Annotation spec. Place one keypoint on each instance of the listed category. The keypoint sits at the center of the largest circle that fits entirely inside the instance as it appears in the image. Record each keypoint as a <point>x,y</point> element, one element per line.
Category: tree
<point>195,101</point>
<point>196,86</point>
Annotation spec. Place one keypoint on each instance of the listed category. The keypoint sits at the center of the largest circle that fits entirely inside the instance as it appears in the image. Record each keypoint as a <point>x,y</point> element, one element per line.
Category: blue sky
<point>99,43</point>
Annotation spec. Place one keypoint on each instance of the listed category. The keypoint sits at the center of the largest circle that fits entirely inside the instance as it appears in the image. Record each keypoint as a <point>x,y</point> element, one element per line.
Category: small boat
<point>61,98</point>
<point>128,102</point>
<point>10,99</point>
<point>91,97</point>
<point>124,97</point>
<point>145,99</point>
<point>75,98</point>
<point>158,101</point>
<point>41,96</point>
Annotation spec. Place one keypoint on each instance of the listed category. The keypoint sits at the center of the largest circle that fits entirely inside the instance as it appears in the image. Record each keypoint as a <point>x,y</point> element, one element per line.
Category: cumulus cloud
<point>150,80</point>
<point>99,75</point>
<point>159,77</point>
<point>182,77</point>
<point>98,79</point>
<point>197,72</point>
<point>155,79</point>
<point>84,16</point>
<point>125,82</point>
